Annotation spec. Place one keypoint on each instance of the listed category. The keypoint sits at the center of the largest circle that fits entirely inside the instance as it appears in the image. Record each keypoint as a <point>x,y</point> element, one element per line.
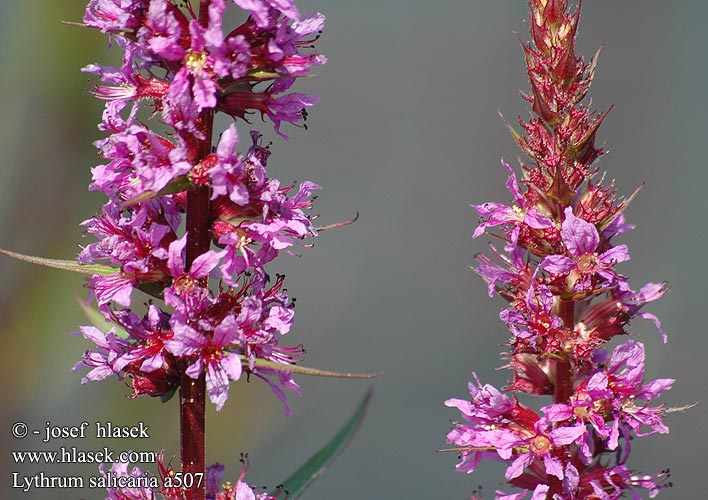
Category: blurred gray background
<point>407,134</point>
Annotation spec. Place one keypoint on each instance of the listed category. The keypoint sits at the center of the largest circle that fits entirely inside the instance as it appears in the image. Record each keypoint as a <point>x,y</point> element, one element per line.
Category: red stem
<point>192,403</point>
<point>192,423</point>
<point>204,12</point>
<point>564,379</point>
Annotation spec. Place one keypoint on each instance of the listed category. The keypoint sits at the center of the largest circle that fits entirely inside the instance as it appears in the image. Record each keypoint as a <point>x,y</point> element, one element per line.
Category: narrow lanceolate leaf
<point>178,185</point>
<point>337,225</point>
<point>303,370</point>
<point>66,265</point>
<point>459,449</point>
<point>301,479</point>
<point>97,320</point>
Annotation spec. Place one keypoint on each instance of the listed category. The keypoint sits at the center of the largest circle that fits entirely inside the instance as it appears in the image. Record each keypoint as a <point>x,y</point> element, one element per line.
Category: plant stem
<point>204,12</point>
<point>192,433</point>
<point>192,401</point>
<point>193,392</point>
<point>564,381</point>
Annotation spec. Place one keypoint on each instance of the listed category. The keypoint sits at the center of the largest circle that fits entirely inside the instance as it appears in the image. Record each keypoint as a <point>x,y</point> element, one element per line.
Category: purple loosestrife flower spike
<point>182,67</point>
<point>182,215</point>
<point>566,300</point>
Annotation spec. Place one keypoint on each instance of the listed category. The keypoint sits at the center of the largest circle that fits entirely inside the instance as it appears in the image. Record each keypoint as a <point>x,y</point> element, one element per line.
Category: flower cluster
<point>178,69</point>
<point>558,272</point>
<point>135,484</point>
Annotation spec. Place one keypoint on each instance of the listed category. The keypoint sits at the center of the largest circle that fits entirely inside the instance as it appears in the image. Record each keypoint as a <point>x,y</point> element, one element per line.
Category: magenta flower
<point>496,214</point>
<point>581,241</point>
<point>276,226</point>
<point>650,292</point>
<point>125,85</point>
<point>162,30</point>
<point>187,283</point>
<point>289,108</point>
<point>101,361</point>
<point>240,491</point>
<point>140,162</point>
<point>197,77</point>
<point>228,176</point>
<point>148,351</point>
<point>621,382</point>
<point>506,276</point>
<point>179,108</point>
<point>230,55</point>
<point>546,444</point>
<point>216,488</point>
<point>211,354</point>
<point>120,470</point>
<point>487,429</point>
<point>136,245</point>
<point>265,316</point>
<point>265,11</point>
<point>534,320</point>
<point>115,15</point>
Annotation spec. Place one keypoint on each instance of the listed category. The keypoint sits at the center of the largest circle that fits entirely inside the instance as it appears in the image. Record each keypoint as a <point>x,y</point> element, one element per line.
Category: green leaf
<point>337,225</point>
<point>66,265</point>
<point>169,394</point>
<point>182,183</point>
<point>263,75</point>
<point>303,370</point>
<point>302,478</point>
<point>97,320</point>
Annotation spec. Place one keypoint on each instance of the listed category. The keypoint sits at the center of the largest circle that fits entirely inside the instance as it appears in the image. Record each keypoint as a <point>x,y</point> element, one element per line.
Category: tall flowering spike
<point>566,299</point>
<point>184,66</point>
<point>192,218</point>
